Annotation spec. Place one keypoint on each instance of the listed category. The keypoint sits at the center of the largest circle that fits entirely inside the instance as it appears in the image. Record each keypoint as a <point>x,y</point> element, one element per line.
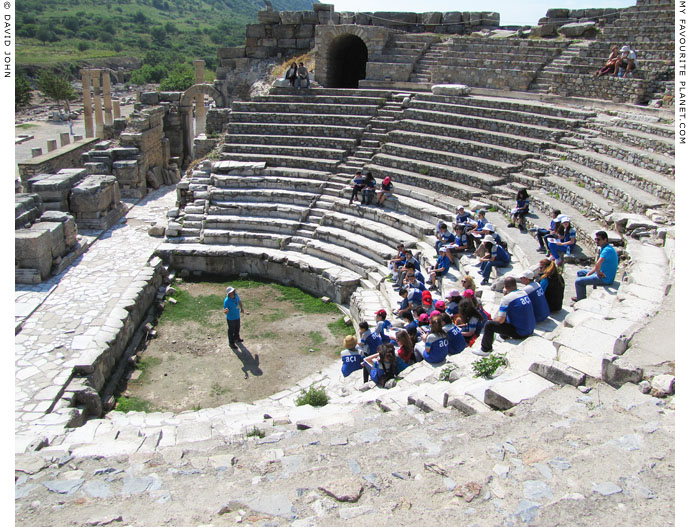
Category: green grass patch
<point>339,329</point>
<point>268,335</point>
<point>26,126</point>
<point>217,389</point>
<point>145,365</point>
<point>193,308</point>
<point>256,432</point>
<point>304,301</point>
<point>275,316</point>
<point>316,338</point>
<point>312,397</point>
<point>133,404</point>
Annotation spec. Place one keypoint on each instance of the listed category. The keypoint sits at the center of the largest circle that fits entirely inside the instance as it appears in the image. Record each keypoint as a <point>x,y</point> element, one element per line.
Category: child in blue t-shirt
<point>521,209</point>
<point>351,357</point>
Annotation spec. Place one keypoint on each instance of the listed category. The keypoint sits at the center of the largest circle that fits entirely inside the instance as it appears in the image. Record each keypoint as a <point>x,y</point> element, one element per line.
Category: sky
<point>512,12</point>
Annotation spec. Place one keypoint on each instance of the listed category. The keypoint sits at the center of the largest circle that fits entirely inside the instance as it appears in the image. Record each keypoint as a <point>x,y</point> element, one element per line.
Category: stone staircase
<point>422,68</point>
<point>542,81</point>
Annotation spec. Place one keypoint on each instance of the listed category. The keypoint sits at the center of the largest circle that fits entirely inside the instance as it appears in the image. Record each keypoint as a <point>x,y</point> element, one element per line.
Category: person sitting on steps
<point>302,75</point>
<point>610,65</point>
<point>291,74</point>
<point>541,233</point>
<point>521,209</point>
<point>564,243</point>
<point>603,272</point>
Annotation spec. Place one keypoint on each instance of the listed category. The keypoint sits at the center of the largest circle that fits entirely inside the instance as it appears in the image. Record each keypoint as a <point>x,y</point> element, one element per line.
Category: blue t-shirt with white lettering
<point>370,342</point>
<point>456,341</point>
<point>443,262</point>
<point>436,348</point>
<point>352,361</point>
<point>517,308</point>
<point>538,299</point>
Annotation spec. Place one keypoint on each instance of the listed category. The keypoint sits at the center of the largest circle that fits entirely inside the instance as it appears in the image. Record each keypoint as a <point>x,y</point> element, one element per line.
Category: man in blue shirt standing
<point>232,307</point>
<point>515,318</point>
<point>604,270</point>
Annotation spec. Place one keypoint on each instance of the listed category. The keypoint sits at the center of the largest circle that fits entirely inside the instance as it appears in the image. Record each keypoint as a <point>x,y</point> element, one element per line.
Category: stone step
<point>273,225</point>
<point>343,100</point>
<point>343,257</point>
<point>355,223</point>
<point>486,137</point>
<point>342,143</point>
<point>305,108</point>
<point>296,129</point>
<point>641,158</point>
<point>481,165</point>
<point>641,139</point>
<point>437,172</point>
<point>283,150</point>
<point>414,177</point>
<point>515,105</point>
<point>255,239</point>
<point>253,208</point>
<point>300,118</point>
<point>358,243</point>
<point>286,161</point>
<point>337,92</point>
<point>304,184</point>
<point>460,146</point>
<point>659,129</point>
<point>226,197</point>
<point>506,127</point>
<point>583,199</point>
<point>497,113</point>
<point>628,175</point>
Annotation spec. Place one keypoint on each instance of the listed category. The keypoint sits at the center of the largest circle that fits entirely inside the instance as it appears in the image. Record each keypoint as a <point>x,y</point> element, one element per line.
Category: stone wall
<point>498,79</point>
<point>608,88</point>
<point>68,156</point>
<point>557,17</point>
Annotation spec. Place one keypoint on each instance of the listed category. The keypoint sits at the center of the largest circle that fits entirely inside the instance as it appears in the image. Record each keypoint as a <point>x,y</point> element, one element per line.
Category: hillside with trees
<point>62,33</point>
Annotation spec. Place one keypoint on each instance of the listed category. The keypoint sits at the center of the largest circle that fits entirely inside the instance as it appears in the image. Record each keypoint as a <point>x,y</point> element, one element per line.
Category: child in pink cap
<point>385,191</point>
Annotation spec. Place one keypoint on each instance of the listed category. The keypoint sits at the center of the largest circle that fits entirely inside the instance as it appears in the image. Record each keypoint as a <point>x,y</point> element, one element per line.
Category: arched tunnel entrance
<point>347,62</point>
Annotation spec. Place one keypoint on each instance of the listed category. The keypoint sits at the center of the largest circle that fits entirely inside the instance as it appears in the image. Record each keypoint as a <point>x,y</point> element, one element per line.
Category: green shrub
<point>487,366</point>
<point>445,373</point>
<point>256,432</point>
<point>312,397</point>
<point>132,404</point>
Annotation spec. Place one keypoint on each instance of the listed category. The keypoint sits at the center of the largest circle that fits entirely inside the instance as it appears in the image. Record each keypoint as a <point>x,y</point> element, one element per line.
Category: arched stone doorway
<point>347,58</point>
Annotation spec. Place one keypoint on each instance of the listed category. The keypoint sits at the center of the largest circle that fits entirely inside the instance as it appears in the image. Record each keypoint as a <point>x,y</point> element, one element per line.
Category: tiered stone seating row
<point>494,63</point>
<point>397,60</point>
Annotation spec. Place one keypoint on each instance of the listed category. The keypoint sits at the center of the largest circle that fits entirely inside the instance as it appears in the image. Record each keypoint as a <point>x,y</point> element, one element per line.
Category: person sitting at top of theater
<point>604,270</point>
<point>302,75</point>
<point>610,65</point>
<point>626,63</point>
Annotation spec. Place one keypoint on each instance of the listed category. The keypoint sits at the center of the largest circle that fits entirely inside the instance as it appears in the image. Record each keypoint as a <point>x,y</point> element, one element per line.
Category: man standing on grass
<point>232,307</point>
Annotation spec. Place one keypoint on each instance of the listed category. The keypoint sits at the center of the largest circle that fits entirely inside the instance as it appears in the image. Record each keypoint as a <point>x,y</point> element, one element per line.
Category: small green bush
<point>445,373</point>
<point>312,397</point>
<point>132,404</point>
<point>256,432</point>
<point>487,366</point>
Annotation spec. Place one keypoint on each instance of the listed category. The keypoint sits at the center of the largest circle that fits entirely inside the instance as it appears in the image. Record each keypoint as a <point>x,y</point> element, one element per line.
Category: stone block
<point>586,339</point>
<point>324,8</point>
<point>256,30</point>
<point>284,32</point>
<point>327,16</point>
<point>149,98</point>
<point>468,405</point>
<point>363,19</point>
<point>586,362</point>
<point>235,52</point>
<point>617,372</point>
<point>663,385</point>
<point>429,18</point>
<point>304,43</point>
<point>32,250</point>
<point>558,373</point>
<point>264,16</point>
<point>310,17</point>
<point>56,233</point>
<point>506,394</point>
<point>290,17</point>
<point>260,53</point>
<point>544,30</point>
<point>454,17</point>
<point>304,31</point>
<point>451,89</point>
<point>27,207</point>
<point>127,171</point>
<point>96,168</point>
<point>491,19</point>
<point>475,19</point>
<point>287,43</point>
<point>577,29</point>
<point>154,177</point>
<point>558,13</point>
<point>94,194</point>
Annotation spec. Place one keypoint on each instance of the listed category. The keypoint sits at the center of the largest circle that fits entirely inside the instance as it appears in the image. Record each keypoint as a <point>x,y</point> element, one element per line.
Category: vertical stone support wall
<point>116,109</point>
<point>86,94</point>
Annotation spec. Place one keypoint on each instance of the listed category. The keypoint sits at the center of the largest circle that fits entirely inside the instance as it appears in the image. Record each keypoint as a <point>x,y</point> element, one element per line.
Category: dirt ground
<point>190,364</point>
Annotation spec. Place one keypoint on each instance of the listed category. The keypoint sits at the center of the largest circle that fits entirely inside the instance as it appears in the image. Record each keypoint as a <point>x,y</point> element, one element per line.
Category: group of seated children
<point>620,64</point>
<point>433,329</point>
<point>367,186</point>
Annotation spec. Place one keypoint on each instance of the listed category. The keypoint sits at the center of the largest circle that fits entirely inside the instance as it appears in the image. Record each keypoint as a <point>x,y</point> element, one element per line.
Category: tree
<point>22,91</point>
<point>179,79</point>
<point>57,88</point>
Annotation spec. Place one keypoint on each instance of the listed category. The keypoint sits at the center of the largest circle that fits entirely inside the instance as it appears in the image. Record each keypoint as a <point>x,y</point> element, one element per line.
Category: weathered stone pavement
<point>69,309</point>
